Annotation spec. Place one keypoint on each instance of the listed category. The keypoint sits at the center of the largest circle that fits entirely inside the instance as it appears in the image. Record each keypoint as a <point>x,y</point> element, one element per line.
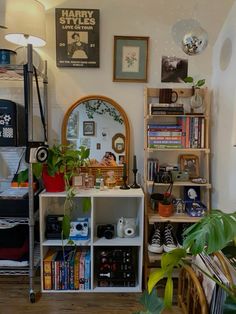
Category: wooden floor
<point>14,299</point>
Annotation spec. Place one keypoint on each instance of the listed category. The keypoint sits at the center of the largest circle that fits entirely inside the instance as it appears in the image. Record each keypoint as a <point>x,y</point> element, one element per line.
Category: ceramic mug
<point>166,96</point>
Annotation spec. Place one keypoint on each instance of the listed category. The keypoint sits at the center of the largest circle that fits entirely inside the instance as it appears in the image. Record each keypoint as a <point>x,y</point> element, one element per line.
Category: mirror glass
<point>101,124</point>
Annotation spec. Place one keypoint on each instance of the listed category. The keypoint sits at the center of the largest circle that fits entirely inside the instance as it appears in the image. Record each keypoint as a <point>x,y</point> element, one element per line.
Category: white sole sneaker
<point>154,249</point>
<point>169,249</point>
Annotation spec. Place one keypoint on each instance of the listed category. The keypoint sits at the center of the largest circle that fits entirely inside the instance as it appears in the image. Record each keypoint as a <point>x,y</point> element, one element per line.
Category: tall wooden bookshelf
<point>170,154</point>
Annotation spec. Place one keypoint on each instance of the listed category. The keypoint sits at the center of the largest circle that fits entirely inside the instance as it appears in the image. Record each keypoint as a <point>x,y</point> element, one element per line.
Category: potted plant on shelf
<point>210,234</point>
<point>165,206</point>
<point>62,164</point>
<point>196,101</point>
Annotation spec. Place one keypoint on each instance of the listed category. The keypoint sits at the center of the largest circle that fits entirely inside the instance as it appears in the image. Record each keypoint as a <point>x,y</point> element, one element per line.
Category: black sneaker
<point>156,245</point>
<point>179,232</point>
<point>170,242</point>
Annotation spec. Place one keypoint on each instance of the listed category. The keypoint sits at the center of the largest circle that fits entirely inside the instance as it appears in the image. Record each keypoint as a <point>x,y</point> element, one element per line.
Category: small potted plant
<point>196,99</point>
<point>62,164</point>
<point>165,207</point>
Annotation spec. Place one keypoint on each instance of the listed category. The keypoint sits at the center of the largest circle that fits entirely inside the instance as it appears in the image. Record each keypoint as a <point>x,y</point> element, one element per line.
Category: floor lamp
<point>25,26</point>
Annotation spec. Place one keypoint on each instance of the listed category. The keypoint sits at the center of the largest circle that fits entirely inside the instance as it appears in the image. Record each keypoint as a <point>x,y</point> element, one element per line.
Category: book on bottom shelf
<point>67,271</point>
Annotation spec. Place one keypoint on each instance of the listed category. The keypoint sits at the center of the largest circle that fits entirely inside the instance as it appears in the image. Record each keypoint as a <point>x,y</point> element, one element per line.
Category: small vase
<point>196,101</point>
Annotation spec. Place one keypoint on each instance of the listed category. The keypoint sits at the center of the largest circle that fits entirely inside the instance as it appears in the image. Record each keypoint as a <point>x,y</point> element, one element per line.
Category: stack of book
<point>166,109</point>
<point>164,136</point>
<point>70,271</point>
<point>187,132</point>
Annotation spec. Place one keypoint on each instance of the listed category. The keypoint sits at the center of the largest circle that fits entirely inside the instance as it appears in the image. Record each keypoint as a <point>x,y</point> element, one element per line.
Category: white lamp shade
<point>25,22</point>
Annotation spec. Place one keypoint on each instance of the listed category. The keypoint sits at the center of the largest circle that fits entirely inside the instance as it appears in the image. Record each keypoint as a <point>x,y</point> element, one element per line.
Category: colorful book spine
<point>87,271</point>
<point>76,269</point>
<point>47,270</point>
<point>187,144</point>
<point>81,270</point>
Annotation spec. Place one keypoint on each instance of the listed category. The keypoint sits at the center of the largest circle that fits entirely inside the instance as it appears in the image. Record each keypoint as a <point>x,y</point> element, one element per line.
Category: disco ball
<point>195,42</point>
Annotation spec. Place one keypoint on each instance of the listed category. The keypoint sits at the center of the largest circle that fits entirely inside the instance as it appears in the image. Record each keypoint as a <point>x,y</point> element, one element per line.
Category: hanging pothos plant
<point>100,107</point>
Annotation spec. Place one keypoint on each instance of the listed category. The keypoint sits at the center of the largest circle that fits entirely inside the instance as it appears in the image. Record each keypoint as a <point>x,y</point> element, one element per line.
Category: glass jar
<point>111,180</point>
<point>196,101</point>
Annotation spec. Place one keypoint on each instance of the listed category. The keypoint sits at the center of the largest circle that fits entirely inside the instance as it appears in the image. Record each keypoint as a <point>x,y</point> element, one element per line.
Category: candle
<point>135,163</point>
<point>124,169</point>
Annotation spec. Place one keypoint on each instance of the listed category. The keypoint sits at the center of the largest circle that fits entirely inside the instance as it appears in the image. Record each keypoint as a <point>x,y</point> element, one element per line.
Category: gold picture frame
<point>190,163</point>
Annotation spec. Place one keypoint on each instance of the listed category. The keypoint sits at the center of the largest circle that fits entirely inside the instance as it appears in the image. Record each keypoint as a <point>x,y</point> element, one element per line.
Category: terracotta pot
<point>165,210</point>
<point>55,183</point>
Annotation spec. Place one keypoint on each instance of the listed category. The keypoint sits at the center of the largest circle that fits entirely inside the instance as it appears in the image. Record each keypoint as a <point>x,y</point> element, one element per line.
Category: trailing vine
<point>100,107</point>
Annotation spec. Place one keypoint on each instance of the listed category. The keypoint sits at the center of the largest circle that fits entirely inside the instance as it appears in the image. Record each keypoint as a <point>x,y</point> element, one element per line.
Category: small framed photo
<point>130,59</point>
<point>190,163</point>
<point>88,128</point>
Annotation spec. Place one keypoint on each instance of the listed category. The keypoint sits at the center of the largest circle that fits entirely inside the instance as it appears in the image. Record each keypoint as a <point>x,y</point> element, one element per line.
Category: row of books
<point>165,109</point>
<point>152,168</point>
<point>68,271</point>
<point>187,132</point>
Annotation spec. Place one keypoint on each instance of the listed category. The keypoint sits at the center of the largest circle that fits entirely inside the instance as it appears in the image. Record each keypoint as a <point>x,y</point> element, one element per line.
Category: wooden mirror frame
<point>115,105</point>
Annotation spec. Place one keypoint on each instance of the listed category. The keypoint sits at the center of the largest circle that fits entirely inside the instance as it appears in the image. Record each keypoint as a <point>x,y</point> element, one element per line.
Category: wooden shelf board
<point>181,183</point>
<point>152,150</point>
<point>154,217</point>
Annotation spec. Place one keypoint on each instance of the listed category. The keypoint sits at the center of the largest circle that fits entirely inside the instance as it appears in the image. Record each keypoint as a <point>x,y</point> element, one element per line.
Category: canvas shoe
<point>179,232</point>
<point>156,245</point>
<point>170,242</point>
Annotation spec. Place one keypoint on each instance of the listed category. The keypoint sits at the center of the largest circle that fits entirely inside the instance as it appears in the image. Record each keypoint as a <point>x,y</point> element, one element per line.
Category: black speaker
<point>12,124</point>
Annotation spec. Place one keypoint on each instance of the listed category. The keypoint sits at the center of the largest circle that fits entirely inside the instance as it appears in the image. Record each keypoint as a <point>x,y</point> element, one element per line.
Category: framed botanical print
<point>130,59</point>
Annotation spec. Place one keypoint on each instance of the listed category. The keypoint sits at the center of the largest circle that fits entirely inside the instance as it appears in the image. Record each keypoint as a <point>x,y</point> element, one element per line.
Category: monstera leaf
<point>151,302</point>
<point>212,233</point>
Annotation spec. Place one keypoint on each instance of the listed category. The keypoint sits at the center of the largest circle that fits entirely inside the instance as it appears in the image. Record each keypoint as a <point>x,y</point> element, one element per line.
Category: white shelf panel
<point>116,192</point>
<point>136,241</point>
<point>117,289</point>
<point>58,242</point>
<point>66,291</point>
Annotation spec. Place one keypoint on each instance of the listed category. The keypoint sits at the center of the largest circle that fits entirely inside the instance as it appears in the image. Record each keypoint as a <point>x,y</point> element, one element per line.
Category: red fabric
<point>15,253</point>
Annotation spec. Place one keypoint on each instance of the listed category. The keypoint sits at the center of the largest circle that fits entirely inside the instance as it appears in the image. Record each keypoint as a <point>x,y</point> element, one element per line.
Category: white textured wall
<point>153,18</point>
<point>224,116</point>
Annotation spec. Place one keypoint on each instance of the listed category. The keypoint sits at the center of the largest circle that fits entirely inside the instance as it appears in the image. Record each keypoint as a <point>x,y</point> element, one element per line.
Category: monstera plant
<point>212,233</point>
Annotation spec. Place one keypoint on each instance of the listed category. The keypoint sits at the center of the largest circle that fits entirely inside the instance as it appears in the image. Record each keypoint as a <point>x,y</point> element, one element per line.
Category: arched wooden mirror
<point>101,124</point>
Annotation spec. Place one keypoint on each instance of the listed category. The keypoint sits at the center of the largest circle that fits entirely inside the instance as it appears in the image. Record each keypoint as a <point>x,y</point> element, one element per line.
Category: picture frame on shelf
<point>190,163</point>
<point>130,62</point>
<point>88,128</point>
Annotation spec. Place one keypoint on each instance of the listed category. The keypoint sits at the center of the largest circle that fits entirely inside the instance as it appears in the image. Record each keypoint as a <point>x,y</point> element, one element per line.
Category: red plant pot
<point>165,210</point>
<point>55,183</point>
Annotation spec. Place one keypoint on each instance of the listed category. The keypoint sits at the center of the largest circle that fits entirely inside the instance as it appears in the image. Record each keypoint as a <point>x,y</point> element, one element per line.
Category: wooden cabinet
<point>189,139</point>
<point>115,264</point>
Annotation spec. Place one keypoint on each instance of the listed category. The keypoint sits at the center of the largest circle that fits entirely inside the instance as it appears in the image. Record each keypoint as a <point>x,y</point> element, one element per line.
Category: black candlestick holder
<point>135,185</point>
<point>125,185</point>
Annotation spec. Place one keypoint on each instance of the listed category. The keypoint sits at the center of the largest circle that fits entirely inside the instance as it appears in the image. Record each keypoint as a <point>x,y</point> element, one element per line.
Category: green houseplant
<point>63,161</point>
<point>196,100</point>
<point>212,233</point>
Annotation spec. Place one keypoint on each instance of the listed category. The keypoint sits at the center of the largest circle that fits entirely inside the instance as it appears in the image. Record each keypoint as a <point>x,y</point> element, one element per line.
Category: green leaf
<point>171,259</point>
<point>188,79</point>
<point>151,302</point>
<point>168,295</point>
<point>155,277</point>
<point>66,226</point>
<point>86,204</point>
<point>200,83</point>
<point>229,306</point>
<point>211,233</point>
